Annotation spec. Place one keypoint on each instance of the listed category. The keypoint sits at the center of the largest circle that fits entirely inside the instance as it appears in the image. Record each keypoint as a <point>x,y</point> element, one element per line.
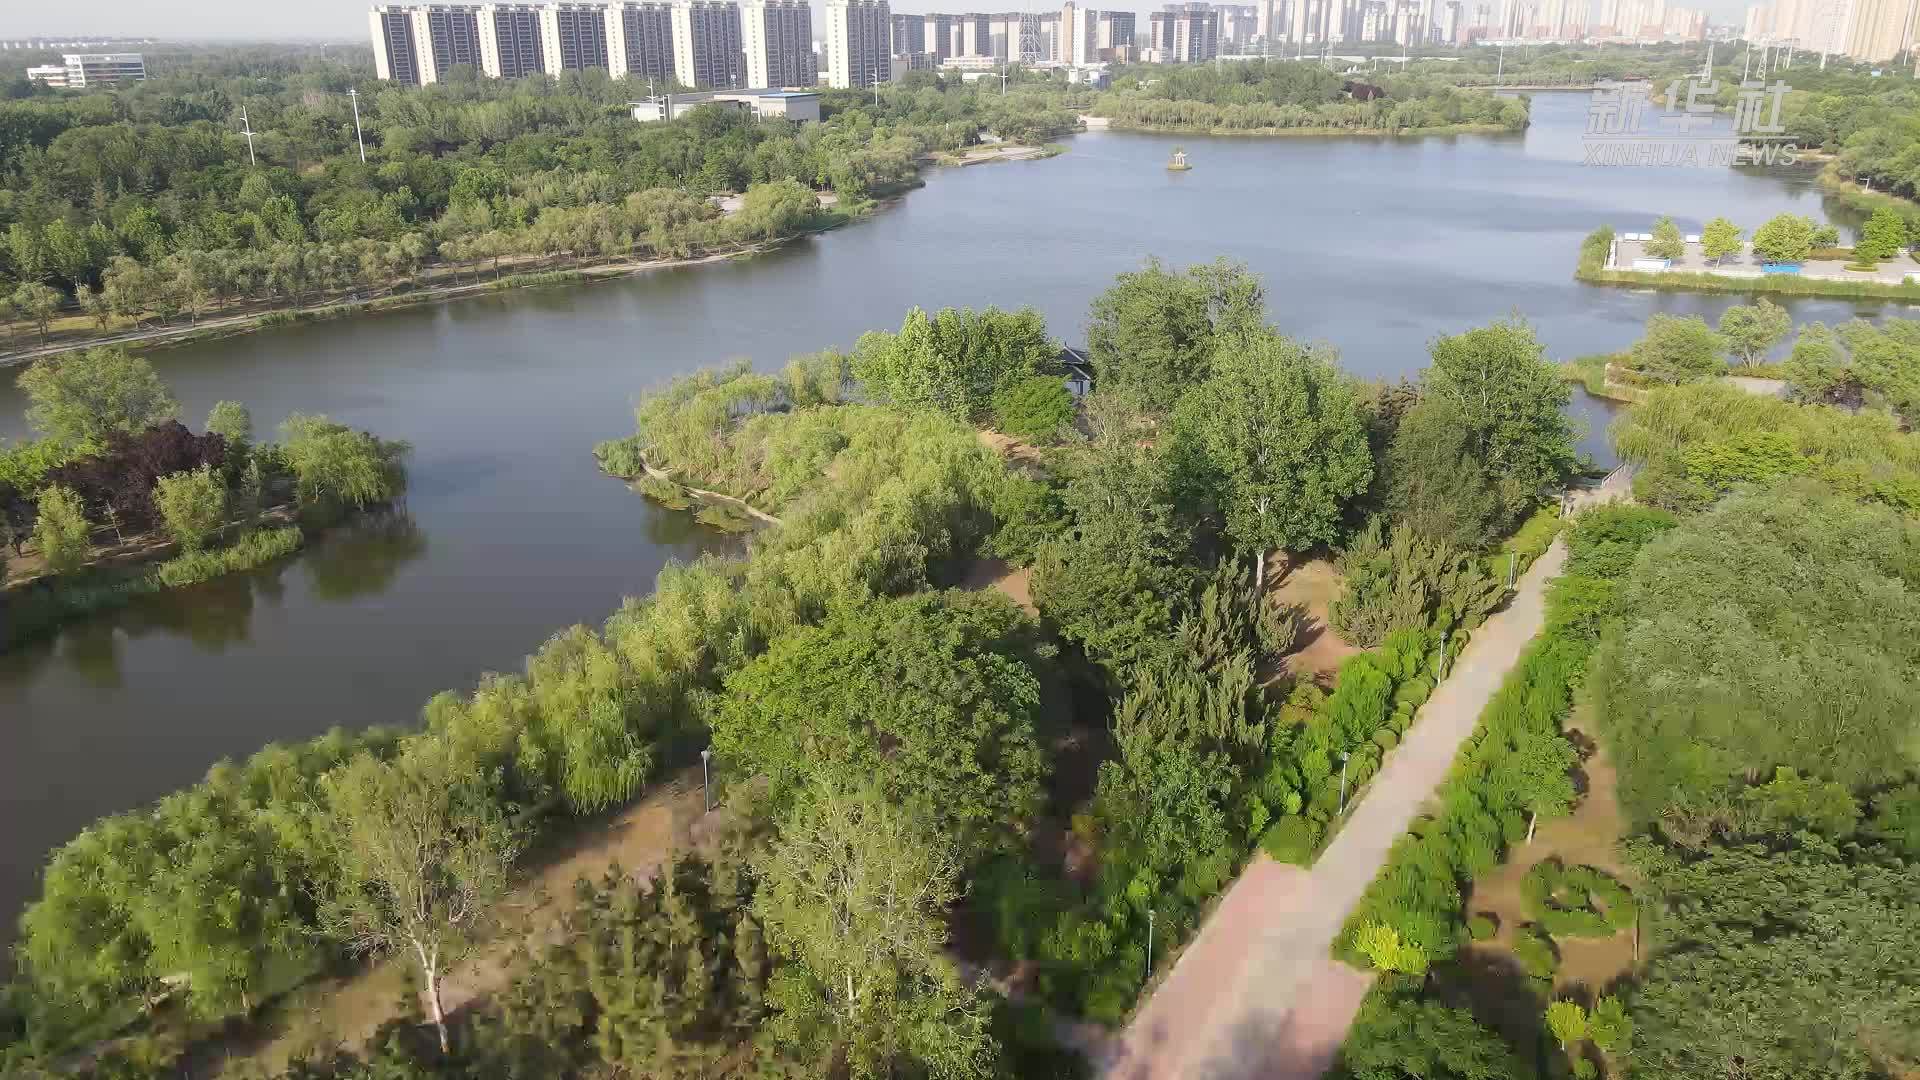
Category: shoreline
<point>1283,133</point>
<point>1789,285</point>
<point>235,325</point>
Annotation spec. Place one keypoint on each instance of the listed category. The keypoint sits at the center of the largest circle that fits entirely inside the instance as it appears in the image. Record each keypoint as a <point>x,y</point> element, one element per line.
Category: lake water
<point>510,534</point>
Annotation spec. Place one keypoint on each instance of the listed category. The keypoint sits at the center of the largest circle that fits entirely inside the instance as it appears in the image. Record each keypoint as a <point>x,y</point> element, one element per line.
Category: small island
<point>1178,162</point>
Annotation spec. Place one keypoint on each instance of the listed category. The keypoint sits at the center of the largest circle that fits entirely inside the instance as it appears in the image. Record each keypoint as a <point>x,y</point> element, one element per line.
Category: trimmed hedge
<point>1548,882</point>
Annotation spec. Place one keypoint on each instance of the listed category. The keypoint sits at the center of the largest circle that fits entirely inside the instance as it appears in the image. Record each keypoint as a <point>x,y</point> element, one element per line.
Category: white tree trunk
<point>1259,570</point>
<point>430,971</point>
<point>1531,822</point>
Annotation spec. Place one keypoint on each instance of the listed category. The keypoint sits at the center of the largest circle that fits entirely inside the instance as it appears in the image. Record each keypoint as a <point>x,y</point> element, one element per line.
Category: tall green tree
<point>954,361</point>
<point>422,850</point>
<point>1156,332</point>
<point>935,697</point>
<point>61,530</point>
<point>39,303</point>
<point>231,421</point>
<point>192,504</point>
<point>1512,401</point>
<point>1667,243</point>
<point>1784,238</point>
<point>1397,1038</point>
<point>1719,239</point>
<point>332,461</point>
<point>1750,330</point>
<point>81,397</point>
<point>1677,349</point>
<point>1435,482</point>
<point>1275,437</point>
<point>1882,237</point>
<point>853,892</point>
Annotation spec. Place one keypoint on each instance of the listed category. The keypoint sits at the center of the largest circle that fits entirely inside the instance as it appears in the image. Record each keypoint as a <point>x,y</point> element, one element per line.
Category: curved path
<point>1257,993</point>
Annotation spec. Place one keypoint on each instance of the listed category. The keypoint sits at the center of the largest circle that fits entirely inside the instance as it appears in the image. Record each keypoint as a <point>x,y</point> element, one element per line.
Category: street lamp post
<point>706,781</point>
<point>1149,943</point>
<point>353,95</point>
<point>1343,781</point>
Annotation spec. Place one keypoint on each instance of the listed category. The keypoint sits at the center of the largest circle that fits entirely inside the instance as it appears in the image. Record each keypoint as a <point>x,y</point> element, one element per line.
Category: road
<point>1257,994</point>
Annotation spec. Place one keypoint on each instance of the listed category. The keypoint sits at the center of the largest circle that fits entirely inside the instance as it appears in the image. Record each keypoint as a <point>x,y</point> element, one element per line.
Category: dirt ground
<point>1311,585</point>
<point>1015,584</point>
<point>1588,837</point>
<point>346,1011</point>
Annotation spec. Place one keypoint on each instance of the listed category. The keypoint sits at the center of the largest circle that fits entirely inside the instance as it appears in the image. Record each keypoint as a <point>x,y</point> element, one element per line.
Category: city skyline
<point>346,20</point>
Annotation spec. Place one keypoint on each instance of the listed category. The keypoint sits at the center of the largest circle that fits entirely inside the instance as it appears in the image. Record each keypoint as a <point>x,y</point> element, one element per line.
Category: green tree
<point>1396,1037</point>
<point>333,462</point>
<point>61,530</point>
<point>1749,331</point>
<point>1768,629</point>
<point>935,697</point>
<point>1785,238</point>
<point>231,421</point>
<point>1609,1026</point>
<point>193,505</point>
<point>1677,349</point>
<point>38,303</point>
<point>854,891</point>
<point>1667,243</point>
<point>1720,239</point>
<point>1435,482</point>
<point>1275,437</point>
<point>1541,773</point>
<point>1155,333</point>
<point>1882,237</point>
<point>422,850</point>
<point>954,362</point>
<point>1512,401</point>
<point>81,397</point>
<point>1033,408</point>
<point>1568,1022</point>
<point>774,209</point>
<point>1763,947</point>
<point>1386,952</point>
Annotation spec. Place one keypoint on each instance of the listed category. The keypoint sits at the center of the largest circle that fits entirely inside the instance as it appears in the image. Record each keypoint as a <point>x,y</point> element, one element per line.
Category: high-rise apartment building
<point>859,43</point>
<point>395,56</point>
<point>1116,32</point>
<point>909,34</point>
<point>445,35</point>
<point>943,36</point>
<point>707,50</point>
<point>778,35</point>
<point>640,40</point>
<point>1186,33</point>
<point>510,40</point>
<point>573,36</point>
<point>1881,29</point>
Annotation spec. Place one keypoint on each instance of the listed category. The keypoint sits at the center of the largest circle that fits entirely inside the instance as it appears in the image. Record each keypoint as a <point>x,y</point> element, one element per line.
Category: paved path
<point>1257,994</point>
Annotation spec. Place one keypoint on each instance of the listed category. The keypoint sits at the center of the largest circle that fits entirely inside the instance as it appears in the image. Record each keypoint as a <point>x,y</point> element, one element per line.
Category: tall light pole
<point>1343,781</point>
<point>706,781</point>
<point>247,130</point>
<point>1149,944</point>
<point>353,95</point>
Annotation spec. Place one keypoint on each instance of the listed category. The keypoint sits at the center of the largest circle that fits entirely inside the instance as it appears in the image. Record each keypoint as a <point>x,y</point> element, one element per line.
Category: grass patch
<point>36,609</point>
<point>1530,541</point>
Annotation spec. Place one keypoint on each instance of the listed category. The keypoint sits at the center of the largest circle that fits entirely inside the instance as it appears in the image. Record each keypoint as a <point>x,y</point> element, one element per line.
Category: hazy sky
<point>259,19</point>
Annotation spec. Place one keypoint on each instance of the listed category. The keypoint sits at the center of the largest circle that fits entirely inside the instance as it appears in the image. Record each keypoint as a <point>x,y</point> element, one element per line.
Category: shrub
<point>1535,952</point>
<point>1386,738</point>
<point>1292,839</point>
<point>1414,692</point>
<point>1033,407</point>
<point>1482,927</point>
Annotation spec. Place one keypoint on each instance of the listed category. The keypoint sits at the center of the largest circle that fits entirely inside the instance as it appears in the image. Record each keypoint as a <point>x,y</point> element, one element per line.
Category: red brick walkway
<point>1256,994</point>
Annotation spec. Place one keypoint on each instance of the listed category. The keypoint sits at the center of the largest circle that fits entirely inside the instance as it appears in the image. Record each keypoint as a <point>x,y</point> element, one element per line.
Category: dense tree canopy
<point>1156,332</point>
<point>1777,628</point>
<point>936,697</point>
<point>1510,401</point>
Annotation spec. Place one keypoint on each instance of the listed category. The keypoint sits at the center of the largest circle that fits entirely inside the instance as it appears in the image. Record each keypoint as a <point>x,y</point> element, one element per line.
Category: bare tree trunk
<point>1259,570</point>
<point>429,970</point>
<point>1531,822</point>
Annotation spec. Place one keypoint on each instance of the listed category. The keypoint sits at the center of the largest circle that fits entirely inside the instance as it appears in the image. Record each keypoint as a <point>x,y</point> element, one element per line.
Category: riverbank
<point>989,155</point>
<point>1279,133</point>
<point>231,325</point>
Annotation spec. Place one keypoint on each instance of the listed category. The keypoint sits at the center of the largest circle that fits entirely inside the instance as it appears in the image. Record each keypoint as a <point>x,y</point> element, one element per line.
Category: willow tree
<point>423,850</point>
